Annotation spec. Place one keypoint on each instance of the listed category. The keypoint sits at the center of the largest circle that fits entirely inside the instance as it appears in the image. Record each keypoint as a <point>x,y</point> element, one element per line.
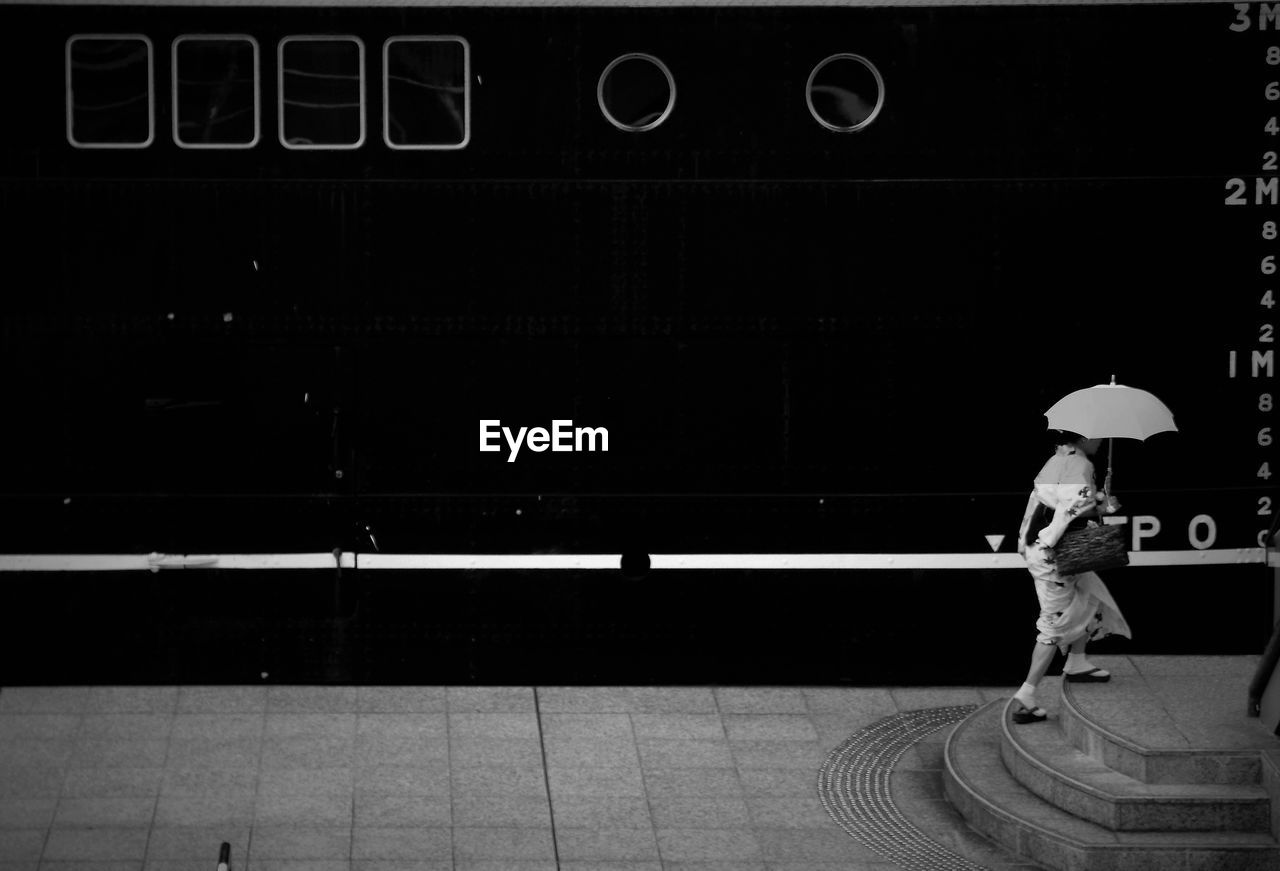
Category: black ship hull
<point>799,341</point>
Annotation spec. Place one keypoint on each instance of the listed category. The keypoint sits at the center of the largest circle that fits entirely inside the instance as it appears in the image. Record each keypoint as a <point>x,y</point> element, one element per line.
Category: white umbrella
<point>1111,411</point>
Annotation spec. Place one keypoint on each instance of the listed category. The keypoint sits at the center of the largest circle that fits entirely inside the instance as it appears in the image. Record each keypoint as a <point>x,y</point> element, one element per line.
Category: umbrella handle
<point>1106,485</point>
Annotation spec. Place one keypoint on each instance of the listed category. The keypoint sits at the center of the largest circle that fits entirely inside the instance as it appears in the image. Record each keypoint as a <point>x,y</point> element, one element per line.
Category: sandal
<point>1026,715</point>
<point>1089,676</point>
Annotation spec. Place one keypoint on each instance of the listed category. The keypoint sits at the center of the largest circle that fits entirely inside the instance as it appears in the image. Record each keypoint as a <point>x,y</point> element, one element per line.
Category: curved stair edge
<point>1033,842</point>
<point>1154,766</point>
<point>1216,808</point>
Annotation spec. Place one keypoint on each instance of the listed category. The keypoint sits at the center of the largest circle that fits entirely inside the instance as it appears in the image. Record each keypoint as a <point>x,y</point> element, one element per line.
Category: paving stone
<point>216,728</point>
<point>38,727</point>
<point>308,752</point>
<point>757,700</point>
<point>872,703</point>
<point>111,812</point>
<point>499,780</point>
<point>917,698</point>
<point>518,752</point>
<point>37,782</point>
<point>779,781</point>
<point>26,813</point>
<point>429,779</point>
<point>845,866</point>
<point>222,700</point>
<point>419,726</point>
<point>473,844</point>
<point>925,784</point>
<point>697,727</point>
<point>692,782</point>
<point>375,749</point>
<point>769,727</point>
<point>402,700</point>
<point>778,754</point>
<point>708,845</point>
<point>490,699</point>
<point>592,755</point>
<point>600,728</point>
<point>499,726</point>
<point>94,845</point>
<point>232,753</point>
<point>700,812</point>
<point>791,812</point>
<point>202,811</point>
<point>390,811</point>
<point>923,756</point>
<point>797,845</point>
<point>301,865</point>
<point>20,845</point>
<point>201,780</point>
<point>602,812</point>
<point>611,844</point>
<point>1224,666</point>
<point>135,699</point>
<point>501,811</point>
<point>776,774</point>
<point>595,781</point>
<point>658,754</point>
<point>43,700</point>
<point>337,726</point>
<point>583,700</point>
<point>28,754</point>
<point>832,730</point>
<point>300,842</point>
<point>640,700</point>
<point>419,845</point>
<point>306,781</point>
<point>303,810</point>
<point>295,699</point>
<point>198,843</point>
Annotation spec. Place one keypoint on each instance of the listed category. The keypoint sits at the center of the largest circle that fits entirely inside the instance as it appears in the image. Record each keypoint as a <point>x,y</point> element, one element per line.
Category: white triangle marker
<point>995,541</point>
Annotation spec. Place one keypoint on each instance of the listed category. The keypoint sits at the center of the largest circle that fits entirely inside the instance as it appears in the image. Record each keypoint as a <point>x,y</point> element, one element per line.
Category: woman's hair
<point>1064,437</point>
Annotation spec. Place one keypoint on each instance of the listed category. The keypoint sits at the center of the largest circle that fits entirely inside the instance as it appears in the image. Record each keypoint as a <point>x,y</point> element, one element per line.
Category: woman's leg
<point>1041,656</point>
<point>1055,597</point>
<point>1076,662</point>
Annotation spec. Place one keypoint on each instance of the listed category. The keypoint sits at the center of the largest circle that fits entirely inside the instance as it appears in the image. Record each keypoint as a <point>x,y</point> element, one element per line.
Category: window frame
<point>257,90</point>
<point>666,71</point>
<point>466,91</point>
<point>364,100</point>
<point>151,93</point>
<point>875,72</point>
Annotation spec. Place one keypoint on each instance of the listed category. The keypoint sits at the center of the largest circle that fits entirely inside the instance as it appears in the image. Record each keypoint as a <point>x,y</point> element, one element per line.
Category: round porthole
<point>636,92</point>
<point>845,92</point>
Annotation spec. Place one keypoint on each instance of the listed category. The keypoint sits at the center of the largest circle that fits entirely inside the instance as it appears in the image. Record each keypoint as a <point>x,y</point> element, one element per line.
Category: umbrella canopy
<point>1111,411</point>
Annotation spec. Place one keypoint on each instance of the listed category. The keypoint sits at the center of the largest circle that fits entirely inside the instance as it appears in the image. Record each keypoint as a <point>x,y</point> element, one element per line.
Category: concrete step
<point>1125,707</point>
<point>998,806</point>
<point>1040,757</point>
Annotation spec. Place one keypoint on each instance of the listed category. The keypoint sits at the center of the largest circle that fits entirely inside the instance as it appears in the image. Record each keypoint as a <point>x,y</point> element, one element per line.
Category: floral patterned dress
<point>1071,606</point>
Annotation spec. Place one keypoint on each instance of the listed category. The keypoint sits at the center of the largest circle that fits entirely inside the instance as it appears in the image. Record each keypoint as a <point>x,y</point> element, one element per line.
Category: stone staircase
<point>1132,775</point>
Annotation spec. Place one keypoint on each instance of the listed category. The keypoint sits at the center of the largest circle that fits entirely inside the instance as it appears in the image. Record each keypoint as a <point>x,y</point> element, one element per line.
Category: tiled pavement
<point>436,778</point>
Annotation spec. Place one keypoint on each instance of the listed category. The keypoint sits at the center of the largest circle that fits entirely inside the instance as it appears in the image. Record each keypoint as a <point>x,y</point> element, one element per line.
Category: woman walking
<point>1073,608</point>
